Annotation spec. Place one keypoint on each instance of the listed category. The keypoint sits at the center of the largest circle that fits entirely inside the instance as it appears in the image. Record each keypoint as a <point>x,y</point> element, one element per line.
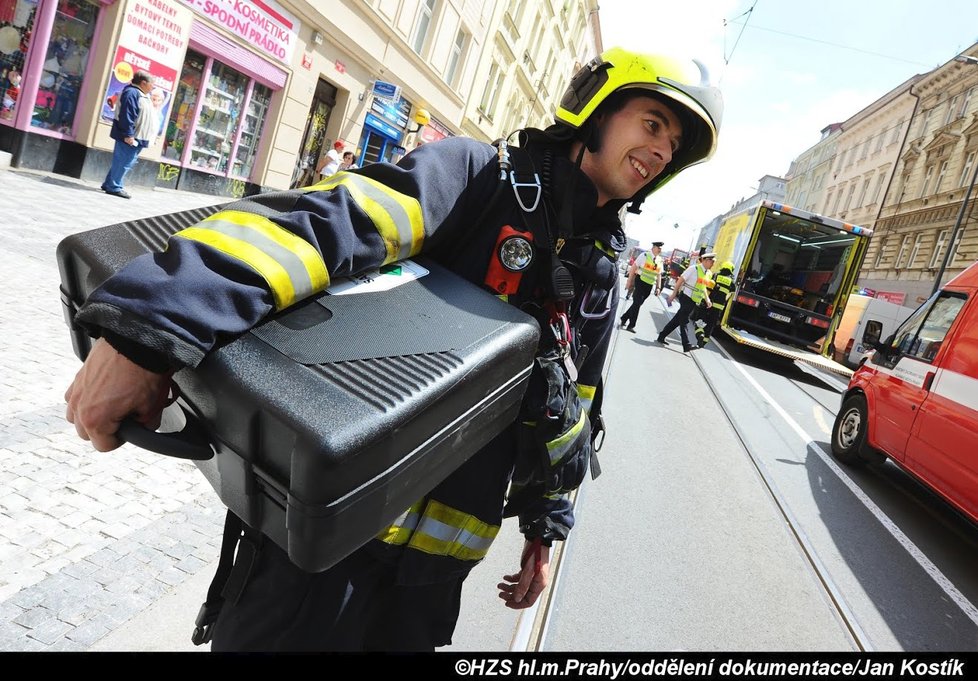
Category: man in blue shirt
<point>124,132</point>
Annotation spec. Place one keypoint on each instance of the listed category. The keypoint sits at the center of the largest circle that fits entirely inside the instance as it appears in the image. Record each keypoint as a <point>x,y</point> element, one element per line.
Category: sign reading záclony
<point>154,38</point>
<point>262,23</point>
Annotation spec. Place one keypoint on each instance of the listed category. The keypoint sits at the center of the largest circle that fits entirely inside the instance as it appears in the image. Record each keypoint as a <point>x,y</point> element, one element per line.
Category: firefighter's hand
<point>708,304</point>
<point>522,590</point>
<point>109,388</point>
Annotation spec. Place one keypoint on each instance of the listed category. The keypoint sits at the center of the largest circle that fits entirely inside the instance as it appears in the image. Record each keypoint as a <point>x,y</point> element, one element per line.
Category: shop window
<point>244,158</point>
<point>16,24</point>
<point>184,104</point>
<point>64,65</point>
<point>224,138</point>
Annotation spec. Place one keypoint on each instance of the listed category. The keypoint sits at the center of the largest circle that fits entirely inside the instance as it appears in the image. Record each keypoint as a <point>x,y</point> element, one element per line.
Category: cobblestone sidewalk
<point>87,540</point>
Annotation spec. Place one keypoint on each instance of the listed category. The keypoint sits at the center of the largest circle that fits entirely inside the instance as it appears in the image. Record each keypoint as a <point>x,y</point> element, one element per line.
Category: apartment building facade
<point>866,152</point>
<point>932,175</point>
<point>805,181</point>
<point>252,94</point>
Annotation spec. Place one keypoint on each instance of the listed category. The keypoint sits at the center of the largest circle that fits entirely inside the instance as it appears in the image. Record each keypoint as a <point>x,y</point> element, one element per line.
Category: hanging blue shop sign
<point>382,127</point>
<point>385,90</point>
<point>393,112</point>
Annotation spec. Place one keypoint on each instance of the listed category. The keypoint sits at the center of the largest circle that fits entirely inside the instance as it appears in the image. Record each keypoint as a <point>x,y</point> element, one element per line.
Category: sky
<point>787,69</point>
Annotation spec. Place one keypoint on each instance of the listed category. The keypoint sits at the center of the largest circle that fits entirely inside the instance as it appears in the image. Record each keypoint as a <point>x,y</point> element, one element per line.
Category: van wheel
<point>849,434</point>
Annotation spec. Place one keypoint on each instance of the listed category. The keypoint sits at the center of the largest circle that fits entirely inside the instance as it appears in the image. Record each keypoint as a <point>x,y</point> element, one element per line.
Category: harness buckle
<point>517,186</point>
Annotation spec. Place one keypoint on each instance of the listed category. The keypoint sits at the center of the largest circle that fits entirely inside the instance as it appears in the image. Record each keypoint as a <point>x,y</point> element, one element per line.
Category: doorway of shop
<point>312,140</point>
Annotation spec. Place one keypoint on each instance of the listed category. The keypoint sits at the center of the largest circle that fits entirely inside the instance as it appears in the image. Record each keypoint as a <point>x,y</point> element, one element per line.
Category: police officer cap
<point>711,254</point>
<point>658,243</point>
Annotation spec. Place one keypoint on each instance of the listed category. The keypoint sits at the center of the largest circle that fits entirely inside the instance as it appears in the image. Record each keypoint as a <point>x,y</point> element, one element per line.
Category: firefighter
<point>627,124</point>
<point>723,283</point>
<point>646,278</point>
<point>691,288</point>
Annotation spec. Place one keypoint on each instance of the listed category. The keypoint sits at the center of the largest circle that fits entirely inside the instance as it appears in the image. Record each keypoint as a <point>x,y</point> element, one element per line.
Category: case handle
<point>190,441</point>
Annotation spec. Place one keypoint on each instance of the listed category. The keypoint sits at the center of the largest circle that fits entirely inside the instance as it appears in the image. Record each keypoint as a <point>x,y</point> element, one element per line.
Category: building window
<point>965,101</point>
<point>954,246</point>
<point>922,128</point>
<point>935,259</point>
<point>828,202</point>
<point>863,150</point>
<point>491,94</point>
<point>879,187</point>
<point>457,58</point>
<point>424,23</point>
<point>928,174</point>
<point>952,109</point>
<point>896,132</point>
<point>966,171</point>
<point>903,250</point>
<point>838,200</point>
<point>862,192</point>
<point>818,182</point>
<point>879,253</point>
<point>915,250</point>
<point>879,141</point>
<point>940,177</point>
<point>852,191</point>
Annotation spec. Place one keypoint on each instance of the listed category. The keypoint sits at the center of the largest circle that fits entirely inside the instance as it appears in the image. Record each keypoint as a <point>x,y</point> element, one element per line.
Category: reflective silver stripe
<point>289,260</point>
<point>559,447</point>
<point>387,209</point>
<point>453,535</point>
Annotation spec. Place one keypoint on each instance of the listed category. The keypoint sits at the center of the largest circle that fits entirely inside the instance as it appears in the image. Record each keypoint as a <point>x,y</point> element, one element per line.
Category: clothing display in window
<point>64,65</point>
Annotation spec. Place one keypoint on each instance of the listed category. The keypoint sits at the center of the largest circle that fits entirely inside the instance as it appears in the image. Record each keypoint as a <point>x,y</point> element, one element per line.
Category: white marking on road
<point>932,570</point>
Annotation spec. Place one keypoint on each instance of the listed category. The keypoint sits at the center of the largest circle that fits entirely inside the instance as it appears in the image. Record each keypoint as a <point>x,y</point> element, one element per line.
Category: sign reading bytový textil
<point>262,23</point>
<point>154,38</point>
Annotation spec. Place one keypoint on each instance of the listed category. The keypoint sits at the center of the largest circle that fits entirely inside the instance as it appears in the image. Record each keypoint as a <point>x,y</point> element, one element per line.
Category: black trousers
<point>357,605</point>
<point>710,318</point>
<point>680,319</point>
<point>640,292</point>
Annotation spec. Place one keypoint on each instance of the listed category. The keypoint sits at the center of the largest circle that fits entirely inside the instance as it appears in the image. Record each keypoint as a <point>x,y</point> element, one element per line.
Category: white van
<point>865,315</point>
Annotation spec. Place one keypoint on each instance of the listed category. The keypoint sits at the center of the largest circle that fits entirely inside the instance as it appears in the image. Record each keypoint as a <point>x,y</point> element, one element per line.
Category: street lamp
<point>964,204</point>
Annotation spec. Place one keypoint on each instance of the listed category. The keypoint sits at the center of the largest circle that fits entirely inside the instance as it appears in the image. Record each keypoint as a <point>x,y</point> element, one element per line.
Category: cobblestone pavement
<point>87,540</point>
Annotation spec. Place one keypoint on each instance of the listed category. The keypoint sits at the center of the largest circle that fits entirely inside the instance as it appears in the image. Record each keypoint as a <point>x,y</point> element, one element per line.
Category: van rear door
<point>943,445</point>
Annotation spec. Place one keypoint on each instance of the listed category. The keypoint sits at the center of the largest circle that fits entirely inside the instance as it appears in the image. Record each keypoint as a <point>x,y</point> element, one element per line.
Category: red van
<point>915,399</point>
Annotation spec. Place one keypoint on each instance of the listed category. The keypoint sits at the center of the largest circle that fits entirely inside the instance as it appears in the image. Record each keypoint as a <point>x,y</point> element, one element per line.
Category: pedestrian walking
<point>646,278</point>
<point>330,162</point>
<point>691,288</point>
<point>133,128</point>
<point>723,284</point>
<point>627,124</point>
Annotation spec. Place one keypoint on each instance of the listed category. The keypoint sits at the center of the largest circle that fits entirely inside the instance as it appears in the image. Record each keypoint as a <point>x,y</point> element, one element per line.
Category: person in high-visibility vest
<point>691,288</point>
<point>645,276</point>
<point>723,285</point>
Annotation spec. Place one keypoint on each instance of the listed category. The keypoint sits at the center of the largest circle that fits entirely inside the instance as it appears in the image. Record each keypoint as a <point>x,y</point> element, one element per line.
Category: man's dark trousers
<point>680,319</point>
<point>640,293</point>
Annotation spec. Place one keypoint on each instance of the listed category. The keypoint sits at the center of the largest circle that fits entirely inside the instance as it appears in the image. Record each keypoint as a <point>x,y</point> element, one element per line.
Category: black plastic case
<point>330,419</point>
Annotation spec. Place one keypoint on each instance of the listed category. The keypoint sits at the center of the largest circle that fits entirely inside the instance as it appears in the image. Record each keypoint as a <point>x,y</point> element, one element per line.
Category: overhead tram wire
<point>726,57</point>
<point>828,42</point>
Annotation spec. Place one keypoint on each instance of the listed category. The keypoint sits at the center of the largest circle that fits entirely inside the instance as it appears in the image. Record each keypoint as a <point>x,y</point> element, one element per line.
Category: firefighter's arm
<point>632,270</point>
<point>676,288</point>
<point>220,277</point>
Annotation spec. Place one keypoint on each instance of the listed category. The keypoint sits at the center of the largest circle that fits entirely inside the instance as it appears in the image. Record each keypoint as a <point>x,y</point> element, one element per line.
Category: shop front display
<point>64,65</point>
<point>220,133</point>
<point>16,24</point>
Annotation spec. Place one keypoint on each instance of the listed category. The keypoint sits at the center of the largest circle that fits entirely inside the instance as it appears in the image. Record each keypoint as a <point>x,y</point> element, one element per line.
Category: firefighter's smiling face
<point>637,142</point>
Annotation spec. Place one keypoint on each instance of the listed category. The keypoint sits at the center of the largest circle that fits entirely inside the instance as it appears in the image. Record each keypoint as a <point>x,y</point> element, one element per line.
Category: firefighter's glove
<point>554,438</point>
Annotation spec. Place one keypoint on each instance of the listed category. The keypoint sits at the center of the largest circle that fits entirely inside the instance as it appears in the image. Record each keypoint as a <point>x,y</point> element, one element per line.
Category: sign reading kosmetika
<point>263,23</point>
